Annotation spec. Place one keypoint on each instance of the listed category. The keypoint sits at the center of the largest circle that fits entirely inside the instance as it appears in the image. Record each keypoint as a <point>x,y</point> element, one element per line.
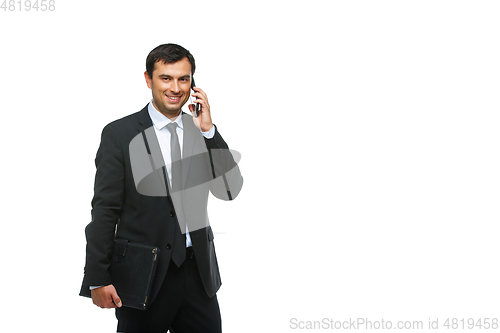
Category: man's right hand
<point>106,297</point>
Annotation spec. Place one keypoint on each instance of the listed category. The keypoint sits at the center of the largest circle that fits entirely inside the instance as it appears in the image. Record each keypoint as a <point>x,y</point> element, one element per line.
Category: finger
<point>97,301</point>
<point>116,300</point>
<point>199,96</point>
<point>199,101</point>
<point>204,106</point>
<point>197,89</point>
<point>200,92</point>
<point>109,304</point>
<point>100,304</point>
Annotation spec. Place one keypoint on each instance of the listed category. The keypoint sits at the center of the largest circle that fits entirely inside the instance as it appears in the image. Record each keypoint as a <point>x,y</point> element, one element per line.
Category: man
<point>183,294</point>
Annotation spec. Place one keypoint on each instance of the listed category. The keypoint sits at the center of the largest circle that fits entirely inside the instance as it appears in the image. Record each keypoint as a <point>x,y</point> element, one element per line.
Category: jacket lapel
<point>144,121</point>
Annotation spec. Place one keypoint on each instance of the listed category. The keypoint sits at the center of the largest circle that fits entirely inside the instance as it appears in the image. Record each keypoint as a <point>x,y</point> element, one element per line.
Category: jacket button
<point>169,246</point>
<point>172,214</point>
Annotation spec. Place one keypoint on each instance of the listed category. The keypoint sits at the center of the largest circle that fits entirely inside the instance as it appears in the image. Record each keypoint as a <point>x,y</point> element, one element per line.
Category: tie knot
<point>171,127</point>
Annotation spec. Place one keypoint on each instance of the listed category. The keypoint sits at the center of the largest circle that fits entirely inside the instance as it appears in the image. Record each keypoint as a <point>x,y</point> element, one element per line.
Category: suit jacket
<point>125,208</point>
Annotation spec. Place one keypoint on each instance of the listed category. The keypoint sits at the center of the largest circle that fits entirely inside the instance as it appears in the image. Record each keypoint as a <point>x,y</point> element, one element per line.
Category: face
<point>170,85</point>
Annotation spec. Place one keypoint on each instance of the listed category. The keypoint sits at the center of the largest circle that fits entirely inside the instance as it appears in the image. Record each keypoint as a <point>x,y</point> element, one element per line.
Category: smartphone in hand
<point>197,105</point>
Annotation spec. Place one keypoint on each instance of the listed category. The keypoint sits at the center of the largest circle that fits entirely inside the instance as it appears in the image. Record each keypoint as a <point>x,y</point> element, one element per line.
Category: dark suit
<point>151,220</point>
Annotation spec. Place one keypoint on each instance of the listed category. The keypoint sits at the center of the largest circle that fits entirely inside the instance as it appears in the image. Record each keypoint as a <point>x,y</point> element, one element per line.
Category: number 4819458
<point>27,5</point>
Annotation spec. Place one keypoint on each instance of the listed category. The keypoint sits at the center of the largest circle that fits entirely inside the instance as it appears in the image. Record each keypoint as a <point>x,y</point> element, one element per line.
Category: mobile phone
<point>197,105</point>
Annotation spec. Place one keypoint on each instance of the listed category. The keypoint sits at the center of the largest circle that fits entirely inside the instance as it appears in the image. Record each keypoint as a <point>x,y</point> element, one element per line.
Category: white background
<point>369,134</point>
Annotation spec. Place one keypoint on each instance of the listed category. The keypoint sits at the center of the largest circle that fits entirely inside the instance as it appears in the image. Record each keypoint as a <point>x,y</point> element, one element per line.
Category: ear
<point>148,79</point>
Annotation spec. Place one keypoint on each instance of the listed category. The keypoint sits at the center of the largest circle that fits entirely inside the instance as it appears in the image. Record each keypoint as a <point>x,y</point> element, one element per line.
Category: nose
<point>175,86</point>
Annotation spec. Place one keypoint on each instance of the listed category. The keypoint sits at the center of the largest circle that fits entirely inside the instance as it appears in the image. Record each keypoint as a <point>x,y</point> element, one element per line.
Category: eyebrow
<point>170,76</point>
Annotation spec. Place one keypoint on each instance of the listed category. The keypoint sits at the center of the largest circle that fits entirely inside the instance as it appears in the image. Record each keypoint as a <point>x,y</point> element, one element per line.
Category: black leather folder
<point>132,270</point>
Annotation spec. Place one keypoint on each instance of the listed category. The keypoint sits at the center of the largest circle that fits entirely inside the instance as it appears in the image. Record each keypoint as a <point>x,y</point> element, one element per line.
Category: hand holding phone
<point>202,113</point>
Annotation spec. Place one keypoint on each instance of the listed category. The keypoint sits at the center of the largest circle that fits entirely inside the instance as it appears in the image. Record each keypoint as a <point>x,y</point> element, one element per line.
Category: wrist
<point>209,134</point>
<point>206,127</point>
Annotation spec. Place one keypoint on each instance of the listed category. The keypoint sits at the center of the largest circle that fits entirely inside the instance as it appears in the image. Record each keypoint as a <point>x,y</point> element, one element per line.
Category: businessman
<point>171,215</point>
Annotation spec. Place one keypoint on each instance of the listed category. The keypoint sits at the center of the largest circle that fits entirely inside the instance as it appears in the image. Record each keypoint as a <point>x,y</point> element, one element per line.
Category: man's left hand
<point>204,119</point>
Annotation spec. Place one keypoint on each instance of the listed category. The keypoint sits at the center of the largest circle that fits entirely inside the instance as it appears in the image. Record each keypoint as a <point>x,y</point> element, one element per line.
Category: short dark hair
<point>168,53</point>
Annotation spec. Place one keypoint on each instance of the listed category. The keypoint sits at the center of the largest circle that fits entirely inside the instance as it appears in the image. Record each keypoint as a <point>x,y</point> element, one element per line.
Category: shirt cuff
<point>210,134</point>
<point>94,287</point>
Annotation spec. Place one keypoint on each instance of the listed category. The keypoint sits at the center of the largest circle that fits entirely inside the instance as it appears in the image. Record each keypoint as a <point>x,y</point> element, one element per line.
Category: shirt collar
<point>160,120</point>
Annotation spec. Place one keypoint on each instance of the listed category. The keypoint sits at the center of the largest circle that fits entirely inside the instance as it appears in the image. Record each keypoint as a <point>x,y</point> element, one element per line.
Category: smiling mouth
<point>174,99</point>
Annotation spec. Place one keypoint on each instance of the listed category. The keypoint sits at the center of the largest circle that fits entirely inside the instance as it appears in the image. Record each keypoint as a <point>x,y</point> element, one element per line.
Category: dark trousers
<point>182,305</point>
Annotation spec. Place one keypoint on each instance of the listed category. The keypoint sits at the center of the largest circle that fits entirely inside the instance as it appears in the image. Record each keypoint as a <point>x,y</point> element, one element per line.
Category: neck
<point>172,115</point>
